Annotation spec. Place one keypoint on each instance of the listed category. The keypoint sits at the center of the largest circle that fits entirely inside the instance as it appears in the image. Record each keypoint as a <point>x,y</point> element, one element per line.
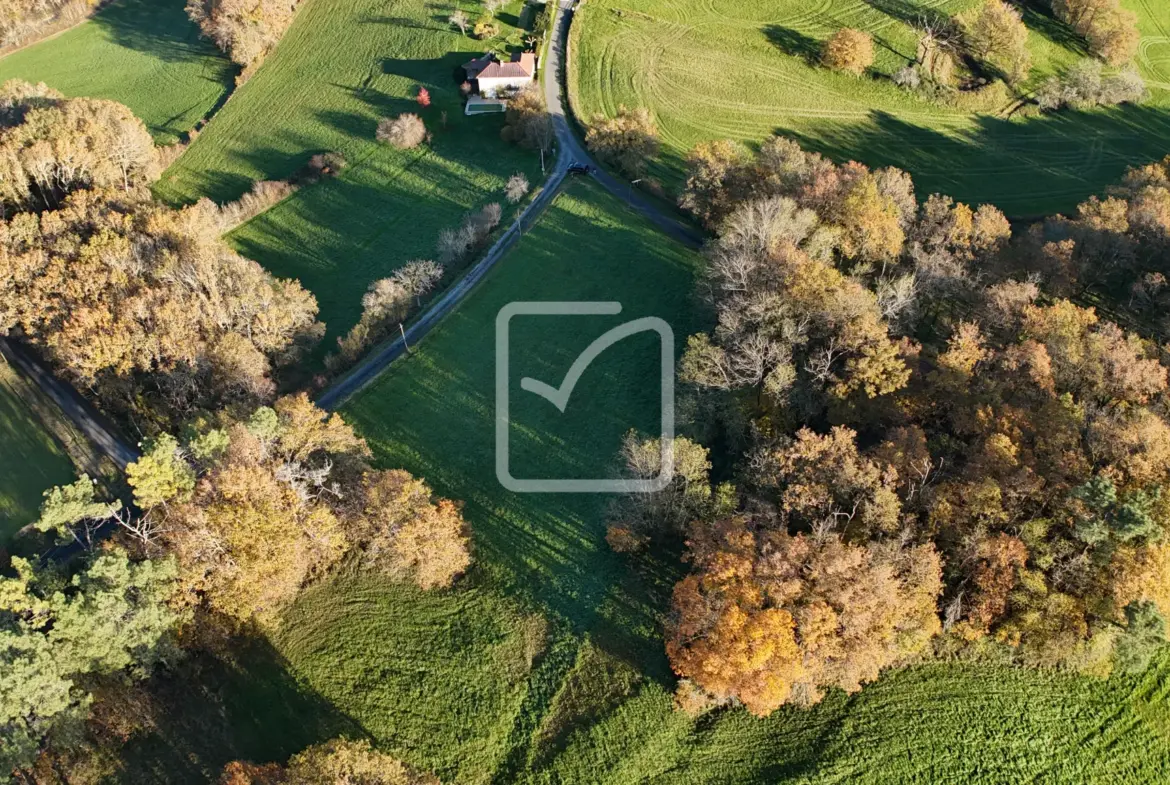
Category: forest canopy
<point>936,446</point>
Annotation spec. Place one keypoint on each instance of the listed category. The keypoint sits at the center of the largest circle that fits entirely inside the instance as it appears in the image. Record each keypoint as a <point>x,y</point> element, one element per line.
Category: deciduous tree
<point>627,140</point>
<point>849,50</point>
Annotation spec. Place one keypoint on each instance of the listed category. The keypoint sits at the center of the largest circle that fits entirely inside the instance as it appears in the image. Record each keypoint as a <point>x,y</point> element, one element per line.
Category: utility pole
<point>630,194</point>
<point>404,343</point>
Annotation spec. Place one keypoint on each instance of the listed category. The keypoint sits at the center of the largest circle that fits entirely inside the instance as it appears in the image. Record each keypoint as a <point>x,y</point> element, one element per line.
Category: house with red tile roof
<point>490,77</point>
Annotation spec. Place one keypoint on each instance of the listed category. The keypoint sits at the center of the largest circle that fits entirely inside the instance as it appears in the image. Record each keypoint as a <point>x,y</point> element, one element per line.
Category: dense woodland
<point>934,449</point>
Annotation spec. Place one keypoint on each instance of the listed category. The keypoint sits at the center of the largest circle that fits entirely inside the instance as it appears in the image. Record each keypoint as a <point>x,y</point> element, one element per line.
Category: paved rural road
<point>570,151</point>
<point>88,420</point>
<point>554,90</point>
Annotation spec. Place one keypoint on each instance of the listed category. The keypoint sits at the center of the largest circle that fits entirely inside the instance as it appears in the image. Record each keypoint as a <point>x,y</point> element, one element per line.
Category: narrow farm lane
<point>96,427</point>
<point>555,88</point>
<point>570,151</point>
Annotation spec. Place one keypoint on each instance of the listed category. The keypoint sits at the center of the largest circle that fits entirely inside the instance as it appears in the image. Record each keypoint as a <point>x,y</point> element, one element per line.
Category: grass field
<point>714,69</point>
<point>30,459</point>
<point>144,53</point>
<point>434,413</point>
<point>470,682</point>
<point>341,66</point>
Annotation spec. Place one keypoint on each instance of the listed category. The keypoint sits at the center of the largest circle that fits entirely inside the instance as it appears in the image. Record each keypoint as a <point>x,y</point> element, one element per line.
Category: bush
<point>991,97</point>
<point>625,141</point>
<point>849,50</point>
<point>245,29</point>
<point>264,194</point>
<point>486,27</point>
<point>516,188</point>
<point>404,131</point>
<point>1085,85</point>
<point>907,78</point>
<point>455,244</point>
<point>326,165</point>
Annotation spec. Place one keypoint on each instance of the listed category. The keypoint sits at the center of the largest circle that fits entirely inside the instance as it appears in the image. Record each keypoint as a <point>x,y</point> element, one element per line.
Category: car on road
<point>579,168</point>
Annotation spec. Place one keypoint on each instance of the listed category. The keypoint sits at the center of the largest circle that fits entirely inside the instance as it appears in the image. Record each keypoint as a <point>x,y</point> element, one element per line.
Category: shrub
<point>245,29</point>
<point>1085,85</point>
<point>264,194</point>
<point>516,188</point>
<point>625,141</point>
<point>455,244</point>
<point>386,303</point>
<point>987,98</point>
<point>485,27</point>
<point>849,50</point>
<point>404,131</point>
<point>326,164</point>
<point>907,78</point>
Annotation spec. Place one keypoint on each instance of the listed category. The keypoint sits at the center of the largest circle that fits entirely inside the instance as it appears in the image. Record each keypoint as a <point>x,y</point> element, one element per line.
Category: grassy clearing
<point>341,66</point>
<point>30,459</point>
<point>437,678</point>
<point>721,69</point>
<point>143,53</point>
<point>434,413</point>
<point>942,723</point>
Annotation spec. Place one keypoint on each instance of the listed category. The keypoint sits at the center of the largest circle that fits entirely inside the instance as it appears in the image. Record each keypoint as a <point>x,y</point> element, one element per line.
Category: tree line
<point>935,446</point>
<point>240,499</point>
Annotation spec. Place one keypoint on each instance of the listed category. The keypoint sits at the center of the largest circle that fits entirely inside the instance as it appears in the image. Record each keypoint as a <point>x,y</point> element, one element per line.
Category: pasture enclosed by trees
<point>314,589</point>
<point>545,662</point>
<point>744,70</point>
<point>143,53</point>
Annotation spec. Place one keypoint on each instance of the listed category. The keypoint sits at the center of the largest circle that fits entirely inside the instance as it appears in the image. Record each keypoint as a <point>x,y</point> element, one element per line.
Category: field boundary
<point>368,370</point>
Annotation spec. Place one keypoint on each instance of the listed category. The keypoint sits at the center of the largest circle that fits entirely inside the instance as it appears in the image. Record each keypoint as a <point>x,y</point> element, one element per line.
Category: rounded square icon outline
<point>561,398</point>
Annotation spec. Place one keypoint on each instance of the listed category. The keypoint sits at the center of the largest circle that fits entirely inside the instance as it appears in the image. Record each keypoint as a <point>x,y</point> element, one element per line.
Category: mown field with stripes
<point>711,69</point>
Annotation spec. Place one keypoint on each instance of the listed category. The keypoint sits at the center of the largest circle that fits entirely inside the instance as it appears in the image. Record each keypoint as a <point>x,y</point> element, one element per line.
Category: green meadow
<point>744,69</point>
<point>545,663</point>
<point>341,66</point>
<point>143,53</point>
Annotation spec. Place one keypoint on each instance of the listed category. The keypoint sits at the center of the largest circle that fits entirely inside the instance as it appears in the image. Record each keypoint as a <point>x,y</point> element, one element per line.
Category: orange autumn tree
<point>769,618</point>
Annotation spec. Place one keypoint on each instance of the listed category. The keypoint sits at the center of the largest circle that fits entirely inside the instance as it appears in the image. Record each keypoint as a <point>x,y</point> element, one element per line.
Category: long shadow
<point>425,71</point>
<point>1038,16</point>
<point>910,12</point>
<point>159,27</point>
<point>794,42</point>
<point>1029,168</point>
<point>209,711</point>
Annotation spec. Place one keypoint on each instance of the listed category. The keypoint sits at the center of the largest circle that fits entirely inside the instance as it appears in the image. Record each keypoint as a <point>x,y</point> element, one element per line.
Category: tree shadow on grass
<point>910,12</point>
<point>399,21</point>
<point>427,71</point>
<point>209,711</point>
<point>1038,16</point>
<point>1029,168</point>
<point>795,43</point>
<point>162,29</point>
